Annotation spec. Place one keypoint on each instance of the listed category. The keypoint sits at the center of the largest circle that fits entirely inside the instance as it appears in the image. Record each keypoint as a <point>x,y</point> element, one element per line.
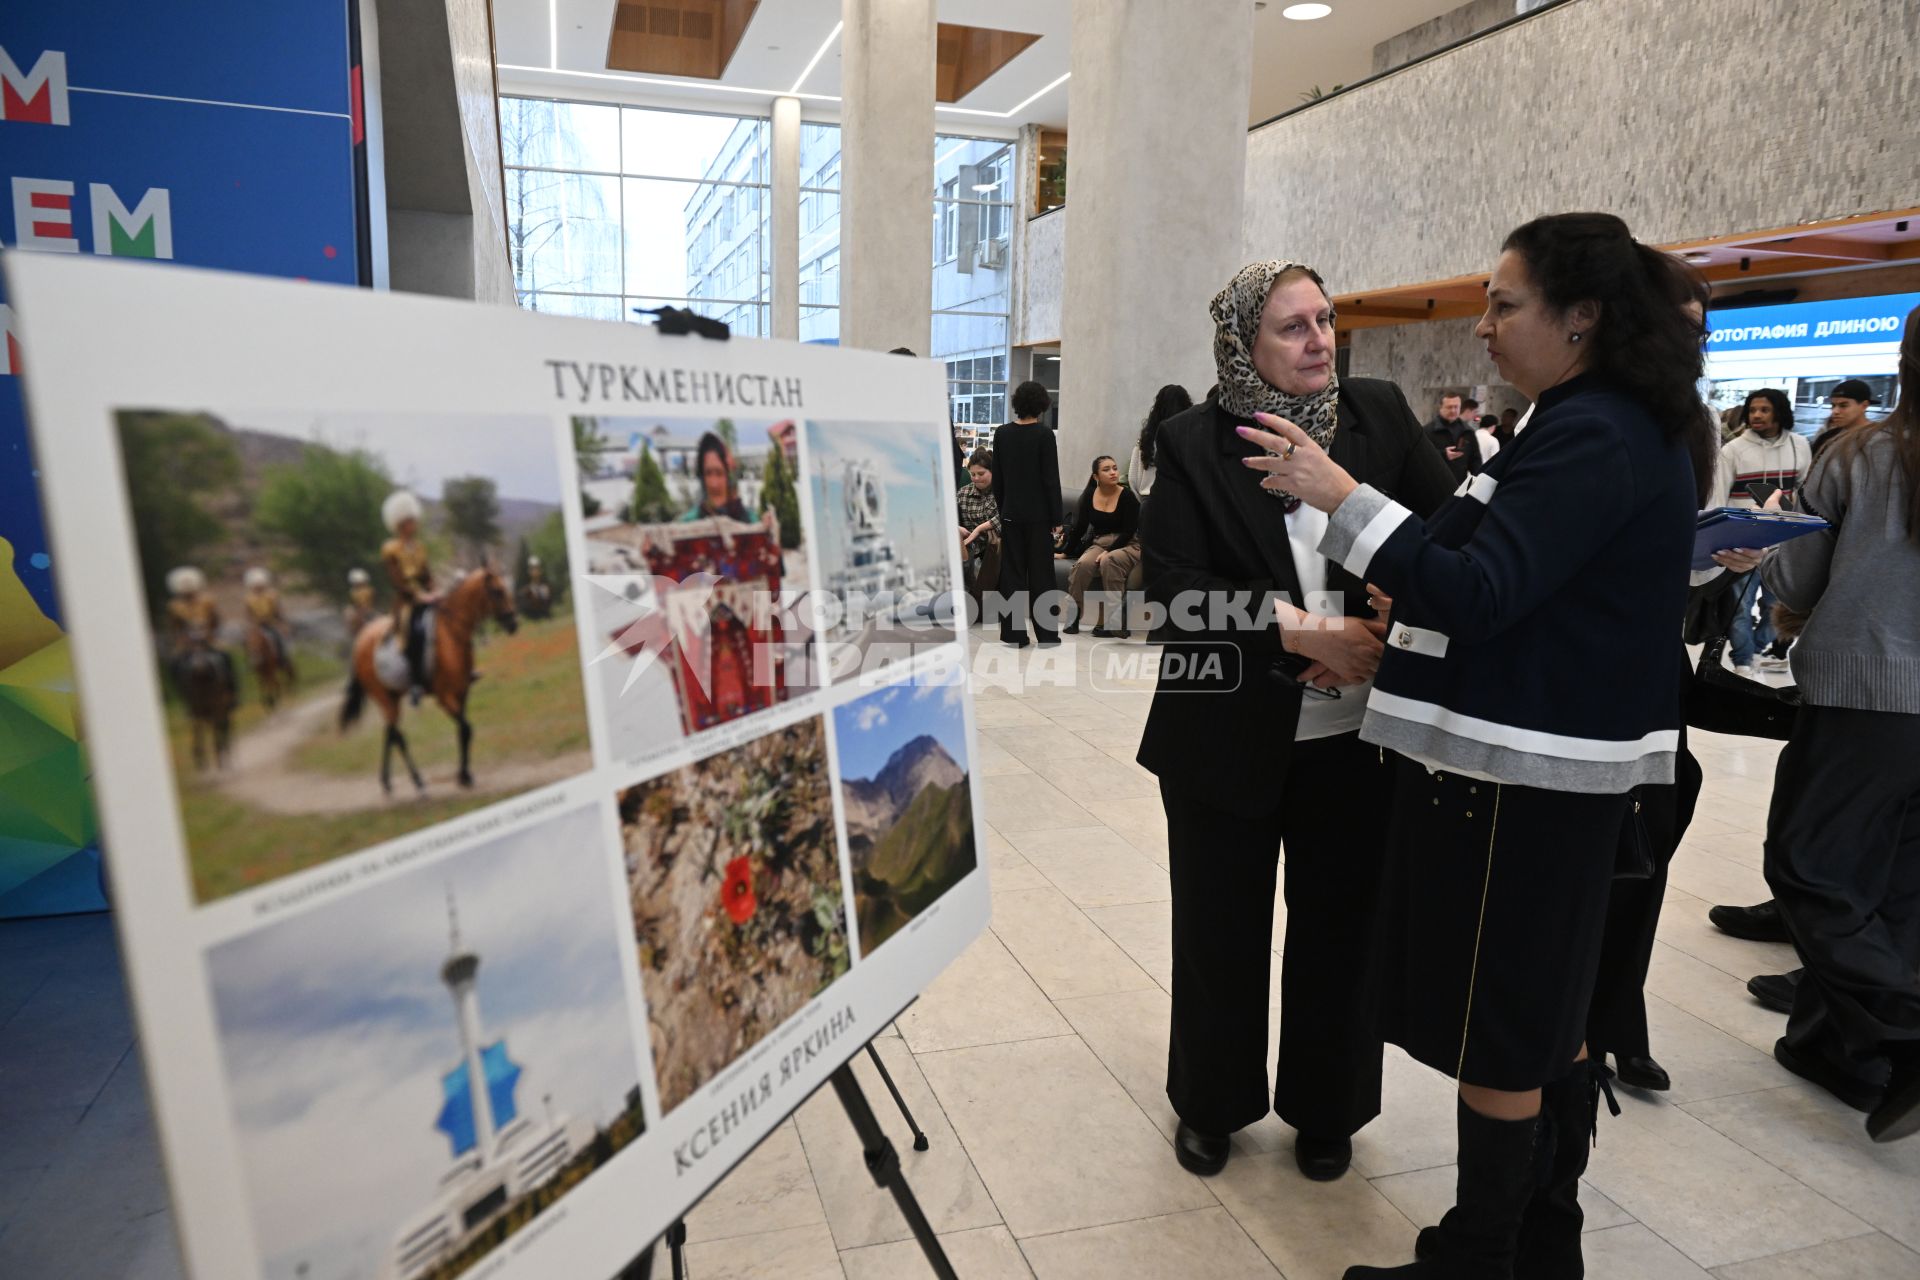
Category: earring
<point>1573,337</point>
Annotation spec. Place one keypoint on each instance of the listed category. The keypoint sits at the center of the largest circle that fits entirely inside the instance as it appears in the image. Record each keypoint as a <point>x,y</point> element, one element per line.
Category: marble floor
<point>1036,1066</point>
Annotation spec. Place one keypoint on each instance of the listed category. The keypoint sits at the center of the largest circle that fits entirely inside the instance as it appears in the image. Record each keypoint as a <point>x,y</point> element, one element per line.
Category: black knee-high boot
<point>1478,1237</point>
<point>1549,1245</point>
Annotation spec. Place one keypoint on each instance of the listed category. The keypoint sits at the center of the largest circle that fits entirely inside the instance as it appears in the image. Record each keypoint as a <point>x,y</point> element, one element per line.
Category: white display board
<point>718,823</point>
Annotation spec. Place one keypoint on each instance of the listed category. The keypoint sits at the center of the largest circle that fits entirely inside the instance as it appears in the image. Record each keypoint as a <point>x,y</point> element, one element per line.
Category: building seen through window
<point>610,208</point>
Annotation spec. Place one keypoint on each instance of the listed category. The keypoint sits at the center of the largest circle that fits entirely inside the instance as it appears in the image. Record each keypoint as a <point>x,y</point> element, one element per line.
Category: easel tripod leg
<point>677,1248</point>
<point>919,1138</point>
<point>883,1162</point>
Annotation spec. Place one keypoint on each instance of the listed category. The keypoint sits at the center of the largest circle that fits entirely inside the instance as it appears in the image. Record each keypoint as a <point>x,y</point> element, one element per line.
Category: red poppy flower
<point>736,893</point>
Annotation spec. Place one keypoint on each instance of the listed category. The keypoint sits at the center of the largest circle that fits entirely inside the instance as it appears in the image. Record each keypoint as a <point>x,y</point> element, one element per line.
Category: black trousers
<point>1617,1023</point>
<point>1026,573</point>
<point>1223,867</point>
<point>1843,860</point>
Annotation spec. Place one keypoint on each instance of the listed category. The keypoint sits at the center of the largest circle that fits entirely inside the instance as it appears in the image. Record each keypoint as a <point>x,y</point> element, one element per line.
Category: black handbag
<point>1721,701</point>
<point>1634,859</point>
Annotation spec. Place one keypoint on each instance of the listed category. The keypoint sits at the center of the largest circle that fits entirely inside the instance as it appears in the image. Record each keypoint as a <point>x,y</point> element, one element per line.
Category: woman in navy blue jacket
<point>1528,685</point>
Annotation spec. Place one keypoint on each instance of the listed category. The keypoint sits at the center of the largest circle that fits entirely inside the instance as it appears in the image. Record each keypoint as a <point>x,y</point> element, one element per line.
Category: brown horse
<point>267,656</point>
<point>459,614</point>
<point>206,683</point>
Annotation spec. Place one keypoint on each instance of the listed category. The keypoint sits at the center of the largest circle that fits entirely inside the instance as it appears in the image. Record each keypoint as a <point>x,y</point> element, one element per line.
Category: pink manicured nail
<point>1243,430</point>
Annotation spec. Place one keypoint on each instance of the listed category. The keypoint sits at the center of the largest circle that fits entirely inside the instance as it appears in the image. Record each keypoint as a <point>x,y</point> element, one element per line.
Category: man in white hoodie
<point>1767,451</point>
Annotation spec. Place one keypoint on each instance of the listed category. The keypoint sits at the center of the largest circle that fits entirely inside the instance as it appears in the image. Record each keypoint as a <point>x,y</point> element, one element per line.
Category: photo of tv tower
<point>405,1104</point>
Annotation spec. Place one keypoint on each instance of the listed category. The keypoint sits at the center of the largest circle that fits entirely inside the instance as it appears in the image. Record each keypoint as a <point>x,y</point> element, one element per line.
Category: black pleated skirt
<point>1494,907</point>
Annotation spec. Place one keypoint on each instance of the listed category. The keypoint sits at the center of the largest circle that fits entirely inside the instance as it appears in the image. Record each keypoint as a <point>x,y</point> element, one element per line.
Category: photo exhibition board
<point>536,752</point>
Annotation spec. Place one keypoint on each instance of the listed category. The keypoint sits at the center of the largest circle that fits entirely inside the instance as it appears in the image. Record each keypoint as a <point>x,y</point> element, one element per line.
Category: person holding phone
<point>1514,769</point>
<point>1268,656</point>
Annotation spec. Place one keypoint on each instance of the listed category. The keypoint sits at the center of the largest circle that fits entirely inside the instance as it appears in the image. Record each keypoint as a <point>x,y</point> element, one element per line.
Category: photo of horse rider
<point>352,577</point>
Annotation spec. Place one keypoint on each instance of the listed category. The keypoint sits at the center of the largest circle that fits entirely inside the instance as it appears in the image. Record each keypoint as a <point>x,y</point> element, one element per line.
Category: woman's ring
<point>1288,455</point>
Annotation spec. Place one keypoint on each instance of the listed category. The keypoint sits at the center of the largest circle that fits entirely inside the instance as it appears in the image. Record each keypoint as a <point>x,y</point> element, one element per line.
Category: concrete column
<point>886,174</point>
<point>783,239</point>
<point>1159,159</point>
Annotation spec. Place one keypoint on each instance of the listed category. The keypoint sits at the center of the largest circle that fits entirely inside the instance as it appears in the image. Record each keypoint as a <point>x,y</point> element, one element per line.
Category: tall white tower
<point>460,972</point>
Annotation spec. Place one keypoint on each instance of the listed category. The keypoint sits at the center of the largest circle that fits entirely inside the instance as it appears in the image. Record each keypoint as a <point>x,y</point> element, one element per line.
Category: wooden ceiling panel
<point>691,38</point>
<point>965,57</point>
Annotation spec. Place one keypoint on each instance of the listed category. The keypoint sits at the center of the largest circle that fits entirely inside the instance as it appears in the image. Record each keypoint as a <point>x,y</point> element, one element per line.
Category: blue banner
<point>216,133</point>
<point>1849,322</point>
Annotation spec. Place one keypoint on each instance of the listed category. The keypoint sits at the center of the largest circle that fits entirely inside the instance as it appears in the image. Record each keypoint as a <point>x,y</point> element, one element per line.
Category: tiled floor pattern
<point>1036,1066</point>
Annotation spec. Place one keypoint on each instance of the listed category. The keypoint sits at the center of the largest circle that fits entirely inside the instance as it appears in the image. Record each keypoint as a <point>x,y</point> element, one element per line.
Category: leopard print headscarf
<point>1236,316</point>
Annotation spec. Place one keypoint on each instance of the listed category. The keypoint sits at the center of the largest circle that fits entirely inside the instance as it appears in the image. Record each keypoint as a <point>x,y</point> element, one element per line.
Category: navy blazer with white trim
<point>1534,612</point>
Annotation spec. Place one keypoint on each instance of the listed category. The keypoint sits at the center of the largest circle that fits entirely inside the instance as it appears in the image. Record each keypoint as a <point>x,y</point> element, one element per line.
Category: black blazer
<point>1026,474</point>
<point>1211,529</point>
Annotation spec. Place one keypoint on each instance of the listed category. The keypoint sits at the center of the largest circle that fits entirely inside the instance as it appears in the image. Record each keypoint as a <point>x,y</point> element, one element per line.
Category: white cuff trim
<point>1480,488</point>
<point>1373,537</point>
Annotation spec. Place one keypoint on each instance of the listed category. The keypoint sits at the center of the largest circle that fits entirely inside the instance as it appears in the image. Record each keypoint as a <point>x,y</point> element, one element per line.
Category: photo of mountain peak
<point>908,803</point>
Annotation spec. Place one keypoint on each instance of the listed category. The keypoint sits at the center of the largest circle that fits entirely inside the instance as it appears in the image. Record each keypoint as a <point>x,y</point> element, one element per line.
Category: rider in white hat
<point>359,610</point>
<point>263,611</point>
<point>193,620</point>
<point>411,575</point>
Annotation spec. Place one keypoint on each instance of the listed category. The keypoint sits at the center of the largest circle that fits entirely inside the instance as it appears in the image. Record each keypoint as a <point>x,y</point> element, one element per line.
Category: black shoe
<point>1775,990</point>
<point>1861,1095</point>
<point>1105,632</point>
<point>1323,1159</point>
<point>1642,1073</point>
<point>1073,628</point>
<point>1201,1153</point>
<point>1015,642</point>
<point>1758,923</point>
<point>1898,1115</point>
<point>1048,641</point>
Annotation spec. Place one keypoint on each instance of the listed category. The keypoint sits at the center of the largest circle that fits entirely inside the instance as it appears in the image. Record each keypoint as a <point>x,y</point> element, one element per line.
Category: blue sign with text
<point>1849,322</point>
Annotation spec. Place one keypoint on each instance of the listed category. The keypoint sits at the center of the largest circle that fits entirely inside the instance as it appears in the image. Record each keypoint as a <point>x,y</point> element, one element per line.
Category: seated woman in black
<point>1247,757</point>
<point>1102,541</point>
<point>1515,764</point>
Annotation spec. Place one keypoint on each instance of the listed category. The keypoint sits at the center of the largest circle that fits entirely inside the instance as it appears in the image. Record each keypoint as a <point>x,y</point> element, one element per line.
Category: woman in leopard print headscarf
<point>1236,312</point>
<point>1245,757</point>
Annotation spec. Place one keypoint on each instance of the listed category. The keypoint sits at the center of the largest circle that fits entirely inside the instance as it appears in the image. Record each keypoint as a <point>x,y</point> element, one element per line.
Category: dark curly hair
<point>1644,342</point>
<point>1782,407</point>
<point>1167,401</point>
<point>1030,400</point>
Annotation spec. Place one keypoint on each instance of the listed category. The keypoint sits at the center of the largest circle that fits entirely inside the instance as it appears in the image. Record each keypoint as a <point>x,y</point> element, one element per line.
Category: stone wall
<point>1622,105</point>
<point>1041,258</point>
<point>1457,24</point>
<point>1430,359</point>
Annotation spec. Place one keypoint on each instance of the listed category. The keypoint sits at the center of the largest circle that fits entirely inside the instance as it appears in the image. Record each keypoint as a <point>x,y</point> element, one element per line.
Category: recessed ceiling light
<point>1697,255</point>
<point>1055,359</point>
<point>1306,12</point>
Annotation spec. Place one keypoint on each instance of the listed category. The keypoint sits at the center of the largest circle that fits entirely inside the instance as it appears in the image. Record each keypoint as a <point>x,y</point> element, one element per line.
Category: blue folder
<point>1747,528</point>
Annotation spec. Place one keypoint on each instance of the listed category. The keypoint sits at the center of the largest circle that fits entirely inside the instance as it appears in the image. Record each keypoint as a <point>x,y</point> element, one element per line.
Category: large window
<point>972,275</point>
<point>611,208</point>
<point>820,233</point>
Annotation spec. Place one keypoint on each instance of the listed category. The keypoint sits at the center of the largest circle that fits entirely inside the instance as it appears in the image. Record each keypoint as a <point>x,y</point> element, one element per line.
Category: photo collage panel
<point>472,678</point>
